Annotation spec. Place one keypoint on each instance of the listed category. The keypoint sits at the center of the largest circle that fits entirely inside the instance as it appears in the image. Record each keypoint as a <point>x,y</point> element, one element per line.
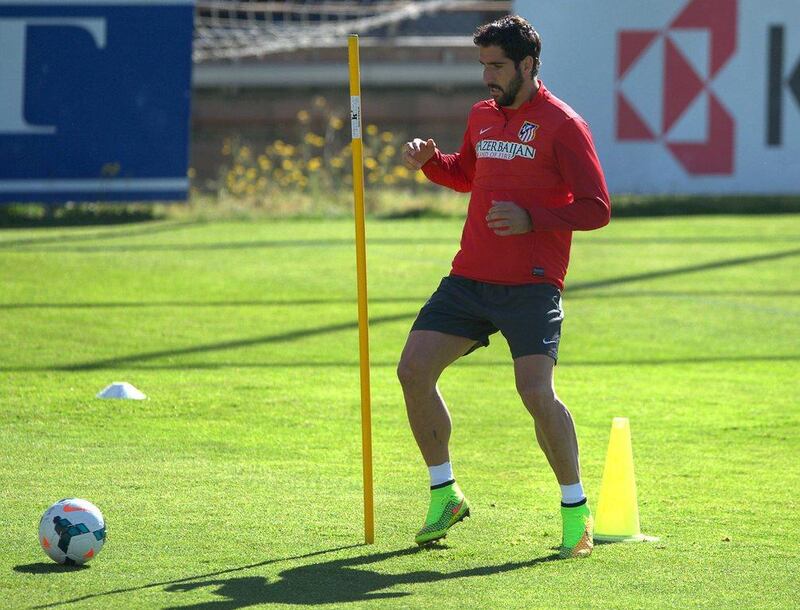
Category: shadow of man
<point>330,582</point>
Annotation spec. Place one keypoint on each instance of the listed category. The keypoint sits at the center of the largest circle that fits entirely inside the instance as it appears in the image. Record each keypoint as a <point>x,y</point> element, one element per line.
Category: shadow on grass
<point>698,239</point>
<point>720,264</point>
<point>238,245</point>
<point>35,215</point>
<point>49,567</point>
<point>187,366</point>
<point>263,364</point>
<point>29,569</point>
<point>332,582</point>
<point>327,582</point>
<point>293,335</point>
<point>304,243</point>
<point>118,233</point>
<point>416,300</point>
<point>199,304</point>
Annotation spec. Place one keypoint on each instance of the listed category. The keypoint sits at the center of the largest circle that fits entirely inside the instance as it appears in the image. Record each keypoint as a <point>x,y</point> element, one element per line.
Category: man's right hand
<point>417,152</point>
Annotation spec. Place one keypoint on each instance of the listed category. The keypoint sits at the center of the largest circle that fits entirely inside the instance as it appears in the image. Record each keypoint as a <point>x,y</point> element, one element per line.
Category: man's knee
<point>414,373</point>
<point>539,398</point>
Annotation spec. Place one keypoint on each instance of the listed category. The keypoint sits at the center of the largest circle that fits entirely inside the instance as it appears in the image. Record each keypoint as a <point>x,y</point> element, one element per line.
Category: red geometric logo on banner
<point>682,85</point>
<point>719,18</point>
<point>714,156</point>
<point>630,125</point>
<point>630,46</point>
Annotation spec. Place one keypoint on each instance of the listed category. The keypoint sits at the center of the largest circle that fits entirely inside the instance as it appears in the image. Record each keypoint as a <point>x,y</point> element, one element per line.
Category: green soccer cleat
<point>448,507</point>
<point>578,527</point>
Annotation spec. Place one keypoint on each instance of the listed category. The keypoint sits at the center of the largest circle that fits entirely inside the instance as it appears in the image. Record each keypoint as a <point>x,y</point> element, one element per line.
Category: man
<point>529,162</point>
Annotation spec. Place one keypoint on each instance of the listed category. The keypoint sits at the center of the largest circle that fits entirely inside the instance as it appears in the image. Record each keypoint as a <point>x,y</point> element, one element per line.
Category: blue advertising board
<point>95,98</point>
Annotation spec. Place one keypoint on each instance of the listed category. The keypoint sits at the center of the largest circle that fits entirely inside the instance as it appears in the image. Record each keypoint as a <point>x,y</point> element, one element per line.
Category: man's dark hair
<point>515,36</point>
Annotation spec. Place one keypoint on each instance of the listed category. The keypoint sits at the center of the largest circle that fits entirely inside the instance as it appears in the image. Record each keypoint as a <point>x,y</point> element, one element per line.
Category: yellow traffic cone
<point>617,518</point>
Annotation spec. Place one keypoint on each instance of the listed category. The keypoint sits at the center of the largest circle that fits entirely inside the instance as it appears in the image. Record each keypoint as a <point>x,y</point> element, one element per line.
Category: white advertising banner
<point>682,96</point>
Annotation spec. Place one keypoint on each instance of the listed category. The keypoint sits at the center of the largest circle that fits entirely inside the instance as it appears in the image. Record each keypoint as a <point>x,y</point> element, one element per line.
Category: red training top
<point>541,157</point>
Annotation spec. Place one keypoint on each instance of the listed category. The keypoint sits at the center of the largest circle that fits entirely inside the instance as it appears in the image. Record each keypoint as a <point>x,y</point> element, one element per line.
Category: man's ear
<point>527,65</point>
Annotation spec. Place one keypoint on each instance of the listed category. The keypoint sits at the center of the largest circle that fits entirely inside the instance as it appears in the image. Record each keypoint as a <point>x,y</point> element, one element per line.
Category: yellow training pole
<point>361,269</point>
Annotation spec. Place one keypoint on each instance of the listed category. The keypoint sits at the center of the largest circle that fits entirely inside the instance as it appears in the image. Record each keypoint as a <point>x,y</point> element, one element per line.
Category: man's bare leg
<point>426,354</point>
<point>555,429</point>
<point>555,432</point>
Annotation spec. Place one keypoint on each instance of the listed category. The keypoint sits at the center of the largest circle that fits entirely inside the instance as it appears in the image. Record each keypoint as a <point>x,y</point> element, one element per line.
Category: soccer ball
<point>72,531</point>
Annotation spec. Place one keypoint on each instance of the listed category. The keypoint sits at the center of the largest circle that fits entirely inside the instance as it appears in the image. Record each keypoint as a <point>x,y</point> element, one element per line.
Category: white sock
<point>572,494</point>
<point>441,473</point>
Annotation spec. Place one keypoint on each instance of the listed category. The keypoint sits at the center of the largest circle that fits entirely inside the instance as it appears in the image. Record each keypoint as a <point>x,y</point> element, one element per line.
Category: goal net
<point>237,29</point>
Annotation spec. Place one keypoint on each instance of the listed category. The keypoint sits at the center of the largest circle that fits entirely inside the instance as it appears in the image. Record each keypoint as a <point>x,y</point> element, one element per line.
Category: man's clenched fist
<point>417,152</point>
<point>507,218</point>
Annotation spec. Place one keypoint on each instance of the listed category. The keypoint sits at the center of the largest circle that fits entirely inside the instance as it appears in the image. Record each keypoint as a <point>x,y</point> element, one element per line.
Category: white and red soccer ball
<point>72,531</point>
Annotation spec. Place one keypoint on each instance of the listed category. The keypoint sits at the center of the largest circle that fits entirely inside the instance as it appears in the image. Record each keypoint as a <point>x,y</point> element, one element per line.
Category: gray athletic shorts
<point>529,315</point>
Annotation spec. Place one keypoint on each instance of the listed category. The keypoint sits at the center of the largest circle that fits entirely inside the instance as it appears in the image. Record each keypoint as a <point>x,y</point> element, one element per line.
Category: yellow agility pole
<point>361,271</point>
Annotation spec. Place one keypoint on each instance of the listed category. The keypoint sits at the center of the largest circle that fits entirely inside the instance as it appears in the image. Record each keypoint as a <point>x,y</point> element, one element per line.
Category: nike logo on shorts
<point>549,342</point>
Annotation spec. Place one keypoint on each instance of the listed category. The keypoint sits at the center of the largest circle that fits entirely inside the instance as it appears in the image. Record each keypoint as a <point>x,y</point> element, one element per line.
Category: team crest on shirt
<point>527,132</point>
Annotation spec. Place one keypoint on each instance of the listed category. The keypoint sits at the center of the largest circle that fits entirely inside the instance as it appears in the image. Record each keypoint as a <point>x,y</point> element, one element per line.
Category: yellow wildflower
<point>314,140</point>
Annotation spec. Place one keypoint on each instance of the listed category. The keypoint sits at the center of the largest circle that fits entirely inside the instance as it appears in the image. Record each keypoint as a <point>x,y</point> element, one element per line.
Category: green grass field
<point>238,482</point>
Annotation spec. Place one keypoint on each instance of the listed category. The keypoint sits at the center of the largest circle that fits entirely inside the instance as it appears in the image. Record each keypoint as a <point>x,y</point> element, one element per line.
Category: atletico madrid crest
<point>528,131</point>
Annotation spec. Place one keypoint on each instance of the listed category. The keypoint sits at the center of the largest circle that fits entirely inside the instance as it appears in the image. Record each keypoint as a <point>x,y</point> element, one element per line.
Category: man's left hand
<point>507,218</point>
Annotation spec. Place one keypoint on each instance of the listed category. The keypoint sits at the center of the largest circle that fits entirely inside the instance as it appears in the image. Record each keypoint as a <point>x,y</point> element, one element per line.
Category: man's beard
<point>508,96</point>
